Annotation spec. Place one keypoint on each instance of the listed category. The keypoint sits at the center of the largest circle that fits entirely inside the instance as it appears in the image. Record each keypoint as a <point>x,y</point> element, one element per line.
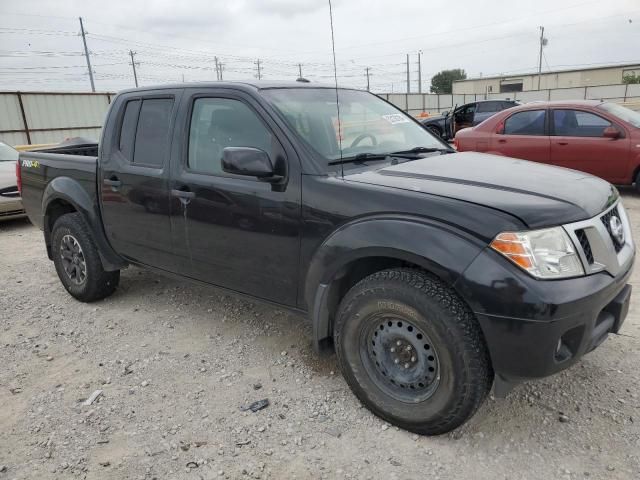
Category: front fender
<point>72,192</point>
<point>437,247</point>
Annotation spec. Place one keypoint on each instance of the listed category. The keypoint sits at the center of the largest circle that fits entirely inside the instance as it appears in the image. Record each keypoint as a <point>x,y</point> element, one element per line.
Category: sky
<point>40,46</point>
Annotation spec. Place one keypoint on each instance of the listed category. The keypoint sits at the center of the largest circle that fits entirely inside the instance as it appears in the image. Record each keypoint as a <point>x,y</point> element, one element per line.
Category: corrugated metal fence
<point>44,117</point>
<point>416,103</point>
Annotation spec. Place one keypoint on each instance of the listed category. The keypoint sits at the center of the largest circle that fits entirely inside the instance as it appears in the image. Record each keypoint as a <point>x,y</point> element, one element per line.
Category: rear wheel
<point>77,262</point>
<point>412,351</point>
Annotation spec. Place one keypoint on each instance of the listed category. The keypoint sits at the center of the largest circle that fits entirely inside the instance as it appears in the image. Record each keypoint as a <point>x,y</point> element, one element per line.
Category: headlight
<point>547,253</point>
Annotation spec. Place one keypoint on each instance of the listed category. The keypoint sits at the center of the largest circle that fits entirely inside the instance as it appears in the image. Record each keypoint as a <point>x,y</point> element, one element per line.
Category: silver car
<point>10,201</point>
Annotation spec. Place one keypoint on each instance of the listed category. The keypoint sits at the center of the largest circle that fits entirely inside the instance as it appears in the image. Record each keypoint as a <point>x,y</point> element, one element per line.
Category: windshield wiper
<point>407,154</point>
<point>423,150</point>
<point>361,157</point>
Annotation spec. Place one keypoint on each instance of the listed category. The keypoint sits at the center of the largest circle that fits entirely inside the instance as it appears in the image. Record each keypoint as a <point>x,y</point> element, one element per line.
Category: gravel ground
<point>175,363</point>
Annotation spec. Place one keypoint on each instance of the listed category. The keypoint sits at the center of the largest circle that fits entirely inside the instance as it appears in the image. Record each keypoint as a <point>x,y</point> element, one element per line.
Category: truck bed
<point>40,168</point>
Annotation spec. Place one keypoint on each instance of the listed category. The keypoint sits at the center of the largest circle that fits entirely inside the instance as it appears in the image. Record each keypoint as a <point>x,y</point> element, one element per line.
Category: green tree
<point>632,78</point>
<point>442,82</point>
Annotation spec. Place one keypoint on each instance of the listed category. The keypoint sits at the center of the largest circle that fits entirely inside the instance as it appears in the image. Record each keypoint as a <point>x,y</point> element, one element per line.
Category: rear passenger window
<point>152,136</point>
<point>488,107</point>
<point>128,130</point>
<point>529,122</point>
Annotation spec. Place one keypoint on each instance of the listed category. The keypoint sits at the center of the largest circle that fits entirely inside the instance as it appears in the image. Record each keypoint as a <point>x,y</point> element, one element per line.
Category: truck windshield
<point>369,124</point>
<point>622,113</point>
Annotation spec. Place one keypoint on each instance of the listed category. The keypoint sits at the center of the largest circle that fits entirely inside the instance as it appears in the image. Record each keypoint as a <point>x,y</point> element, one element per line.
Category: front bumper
<point>535,328</point>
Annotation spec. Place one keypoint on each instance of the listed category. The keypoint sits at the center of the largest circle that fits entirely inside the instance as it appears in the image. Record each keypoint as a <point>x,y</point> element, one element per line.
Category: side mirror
<point>500,128</point>
<point>611,132</point>
<point>247,161</point>
<point>446,113</point>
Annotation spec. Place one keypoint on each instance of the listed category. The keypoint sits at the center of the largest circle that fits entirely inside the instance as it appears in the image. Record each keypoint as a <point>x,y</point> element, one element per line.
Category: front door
<point>523,135</point>
<point>240,233</point>
<point>134,179</point>
<point>577,142</point>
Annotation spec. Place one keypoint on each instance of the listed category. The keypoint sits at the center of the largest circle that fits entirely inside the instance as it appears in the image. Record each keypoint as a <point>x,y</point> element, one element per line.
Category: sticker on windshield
<point>395,118</point>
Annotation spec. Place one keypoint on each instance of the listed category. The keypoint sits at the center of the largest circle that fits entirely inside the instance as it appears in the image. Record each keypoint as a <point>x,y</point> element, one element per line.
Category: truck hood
<point>539,195</point>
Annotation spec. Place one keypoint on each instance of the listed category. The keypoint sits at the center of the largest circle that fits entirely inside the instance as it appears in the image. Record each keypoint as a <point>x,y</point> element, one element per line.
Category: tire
<point>77,262</point>
<point>440,381</point>
<point>637,183</point>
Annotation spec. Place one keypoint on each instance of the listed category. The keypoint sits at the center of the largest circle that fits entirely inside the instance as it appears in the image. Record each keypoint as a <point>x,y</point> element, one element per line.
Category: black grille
<point>606,218</point>
<point>586,247</point>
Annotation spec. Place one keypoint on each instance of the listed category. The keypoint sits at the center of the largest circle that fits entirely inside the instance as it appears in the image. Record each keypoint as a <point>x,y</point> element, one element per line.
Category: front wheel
<point>77,262</point>
<point>412,351</point>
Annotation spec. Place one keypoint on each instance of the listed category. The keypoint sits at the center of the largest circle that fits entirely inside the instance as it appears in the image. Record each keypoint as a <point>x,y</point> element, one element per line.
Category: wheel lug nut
<point>406,365</point>
<point>396,361</point>
<point>408,348</point>
<point>393,350</point>
<point>398,343</point>
<point>413,359</point>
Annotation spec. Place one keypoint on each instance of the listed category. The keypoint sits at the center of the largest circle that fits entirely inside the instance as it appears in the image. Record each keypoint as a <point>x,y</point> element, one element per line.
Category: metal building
<point>584,77</point>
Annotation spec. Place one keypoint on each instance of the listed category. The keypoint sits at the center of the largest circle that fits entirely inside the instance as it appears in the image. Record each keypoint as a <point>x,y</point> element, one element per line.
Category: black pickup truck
<point>432,274</point>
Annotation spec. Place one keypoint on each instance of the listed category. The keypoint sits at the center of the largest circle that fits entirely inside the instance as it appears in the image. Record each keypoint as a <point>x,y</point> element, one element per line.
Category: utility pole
<point>221,69</point>
<point>367,73</point>
<point>300,70</point>
<point>257,63</point>
<point>542,42</point>
<point>86,54</point>
<point>419,72</point>
<point>408,76</point>
<point>133,64</point>
<point>217,68</point>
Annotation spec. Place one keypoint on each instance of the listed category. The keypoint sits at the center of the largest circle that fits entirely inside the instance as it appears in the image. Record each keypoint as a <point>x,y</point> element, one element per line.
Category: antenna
<point>335,77</point>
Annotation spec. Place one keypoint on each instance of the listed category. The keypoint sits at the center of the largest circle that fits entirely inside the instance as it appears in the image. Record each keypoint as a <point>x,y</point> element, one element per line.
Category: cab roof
<point>252,85</point>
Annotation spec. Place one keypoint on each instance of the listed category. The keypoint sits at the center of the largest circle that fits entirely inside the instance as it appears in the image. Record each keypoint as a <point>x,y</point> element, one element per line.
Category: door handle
<point>563,143</point>
<point>502,141</point>
<point>183,194</point>
<point>113,182</point>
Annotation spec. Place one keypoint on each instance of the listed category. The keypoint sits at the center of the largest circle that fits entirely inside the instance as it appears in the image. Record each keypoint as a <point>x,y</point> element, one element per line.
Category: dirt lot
<point>175,362</point>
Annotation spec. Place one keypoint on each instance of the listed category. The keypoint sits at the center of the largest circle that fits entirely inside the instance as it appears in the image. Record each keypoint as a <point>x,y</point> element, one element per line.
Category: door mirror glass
<point>248,161</point>
<point>611,132</point>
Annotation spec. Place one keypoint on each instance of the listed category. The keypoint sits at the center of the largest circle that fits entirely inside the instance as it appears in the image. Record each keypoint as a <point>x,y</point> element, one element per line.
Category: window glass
<point>7,153</point>
<point>529,122</point>
<point>128,129</point>
<point>217,123</point>
<point>152,135</point>
<point>576,123</point>
<point>623,113</point>
<point>487,107</point>
<point>368,123</point>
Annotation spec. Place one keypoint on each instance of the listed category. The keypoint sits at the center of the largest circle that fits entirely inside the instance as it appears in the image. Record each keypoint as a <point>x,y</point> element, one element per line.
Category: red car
<point>599,138</point>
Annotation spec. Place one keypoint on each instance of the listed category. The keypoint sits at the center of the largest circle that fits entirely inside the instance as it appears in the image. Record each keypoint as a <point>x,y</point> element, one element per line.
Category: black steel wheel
<point>77,261</point>
<point>412,351</point>
<point>400,358</point>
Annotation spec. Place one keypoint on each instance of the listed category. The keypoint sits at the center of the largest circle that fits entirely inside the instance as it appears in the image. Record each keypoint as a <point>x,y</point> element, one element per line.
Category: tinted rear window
<point>152,135</point>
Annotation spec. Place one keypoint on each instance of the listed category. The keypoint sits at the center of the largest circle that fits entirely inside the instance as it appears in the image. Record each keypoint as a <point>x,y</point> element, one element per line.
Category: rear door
<point>577,142</point>
<point>523,134</point>
<point>134,178</point>
<point>240,233</point>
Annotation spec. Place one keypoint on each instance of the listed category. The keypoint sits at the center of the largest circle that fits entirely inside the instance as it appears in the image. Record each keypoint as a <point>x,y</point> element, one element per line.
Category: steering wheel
<point>361,137</point>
